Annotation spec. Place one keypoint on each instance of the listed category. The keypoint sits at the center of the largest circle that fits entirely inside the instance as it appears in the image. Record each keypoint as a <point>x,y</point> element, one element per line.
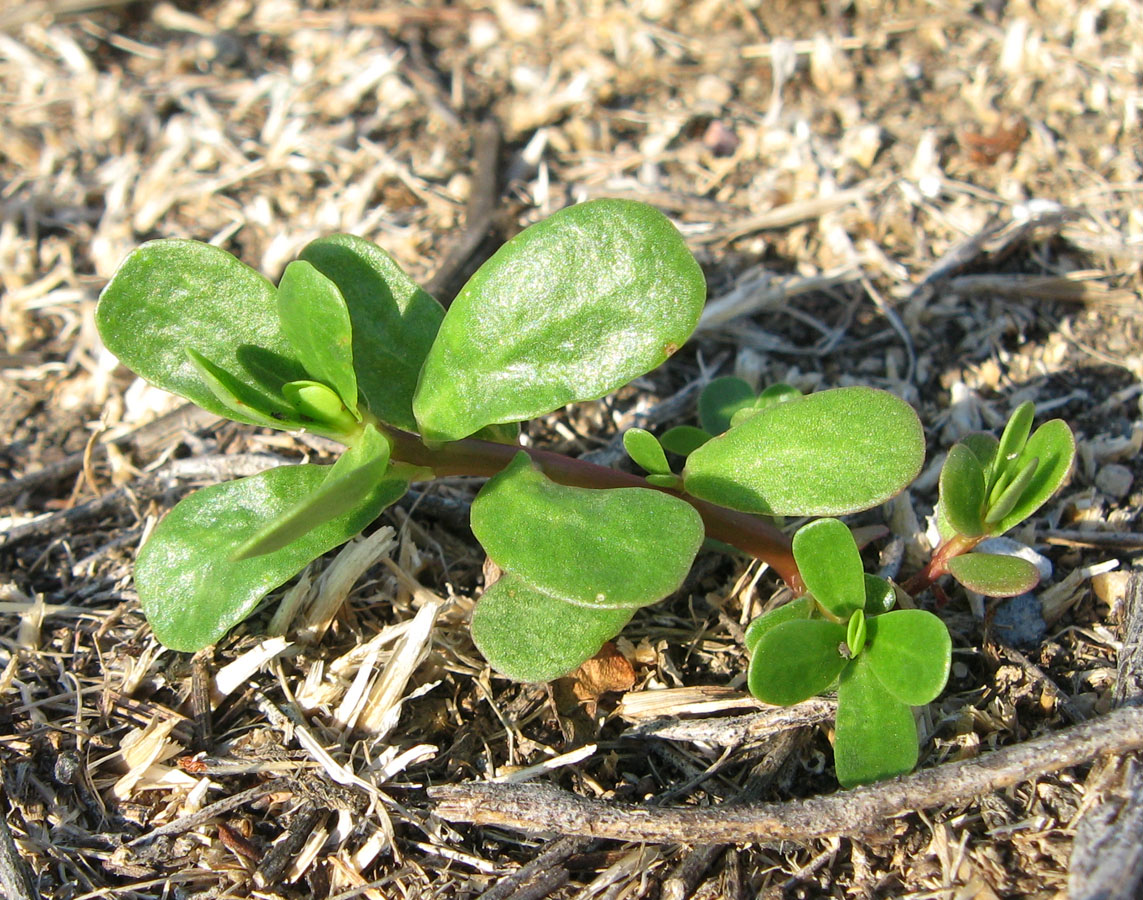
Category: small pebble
<point>1114,480</point>
<point>1019,622</point>
<point>1005,546</point>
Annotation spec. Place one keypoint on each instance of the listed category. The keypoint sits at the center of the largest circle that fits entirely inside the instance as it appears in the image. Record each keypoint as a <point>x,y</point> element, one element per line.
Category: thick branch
<point>541,808</point>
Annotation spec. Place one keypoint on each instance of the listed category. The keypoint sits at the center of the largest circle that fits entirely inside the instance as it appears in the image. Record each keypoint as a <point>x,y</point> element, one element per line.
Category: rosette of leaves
<point>987,487</point>
<point>845,633</point>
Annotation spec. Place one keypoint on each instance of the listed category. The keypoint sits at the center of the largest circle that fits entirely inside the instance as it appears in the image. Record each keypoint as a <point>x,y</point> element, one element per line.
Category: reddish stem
<point>938,564</point>
<point>470,456</point>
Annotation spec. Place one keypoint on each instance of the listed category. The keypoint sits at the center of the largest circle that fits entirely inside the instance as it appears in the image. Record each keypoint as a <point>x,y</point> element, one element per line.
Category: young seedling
<point>845,632</point>
<point>348,347</point>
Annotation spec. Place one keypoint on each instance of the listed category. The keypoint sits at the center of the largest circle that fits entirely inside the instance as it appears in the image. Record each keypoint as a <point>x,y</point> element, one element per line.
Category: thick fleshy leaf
<point>1012,440</point>
<point>795,660</point>
<point>671,482</point>
<point>777,393</point>
<point>684,439</point>
<point>168,296</point>
<point>570,309</point>
<point>856,632</point>
<point>875,734</point>
<point>799,608</point>
<point>623,547</point>
<point>962,489</point>
<point>910,652</point>
<point>531,636</point>
<point>720,400</point>
<point>1014,489</point>
<point>830,564</point>
<point>1055,447</point>
<point>984,445</point>
<point>192,592</point>
<point>321,406</point>
<point>357,474</point>
<point>646,451</point>
<point>880,596</point>
<point>394,322</point>
<point>245,403</point>
<point>830,453</point>
<point>315,320</point>
<point>994,575</point>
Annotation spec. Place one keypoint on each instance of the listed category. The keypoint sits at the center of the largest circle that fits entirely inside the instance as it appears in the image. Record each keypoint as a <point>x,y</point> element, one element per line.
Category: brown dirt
<point>941,199</point>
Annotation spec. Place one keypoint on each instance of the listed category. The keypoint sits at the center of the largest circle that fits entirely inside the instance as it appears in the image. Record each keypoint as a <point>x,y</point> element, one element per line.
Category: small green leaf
<point>880,597</point>
<point>720,400</point>
<point>795,660</point>
<point>315,320</point>
<point>356,475</point>
<point>684,439</point>
<point>994,575</point>
<point>1055,447</point>
<point>623,547</point>
<point>875,734</point>
<point>910,652</point>
<point>671,482</point>
<point>1013,491</point>
<point>830,564</point>
<point>394,322</point>
<point>189,588</point>
<point>531,636</point>
<point>777,393</point>
<point>646,451</point>
<point>1012,441</point>
<point>962,491</point>
<point>984,445</point>
<point>741,415</point>
<point>855,632</point>
<point>800,608</point>
<point>570,309</point>
<point>168,296</point>
<point>321,405</point>
<point>505,433</point>
<point>830,453</point>
<point>245,403</point>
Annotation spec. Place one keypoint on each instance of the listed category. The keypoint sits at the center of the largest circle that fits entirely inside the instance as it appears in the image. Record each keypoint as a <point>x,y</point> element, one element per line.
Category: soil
<point>938,199</point>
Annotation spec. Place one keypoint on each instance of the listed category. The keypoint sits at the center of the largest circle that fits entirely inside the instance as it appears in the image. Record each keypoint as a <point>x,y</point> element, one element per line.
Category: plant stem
<point>938,564</point>
<point>471,456</point>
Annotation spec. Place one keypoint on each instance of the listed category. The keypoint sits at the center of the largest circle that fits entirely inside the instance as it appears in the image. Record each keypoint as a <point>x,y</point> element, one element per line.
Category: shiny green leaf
<point>994,575</point>
<point>830,564</point>
<point>623,547</point>
<point>720,400</point>
<point>315,320</point>
<point>357,474</point>
<point>795,660</point>
<point>962,488</point>
<point>394,322</point>
<point>880,597</point>
<point>856,631</point>
<point>799,608</point>
<point>169,296</point>
<point>245,403</point>
<point>1054,446</point>
<point>529,635</point>
<point>684,439</point>
<point>830,453</point>
<point>777,393</point>
<point>910,652</point>
<point>570,309</point>
<point>190,589</point>
<point>646,451</point>
<point>320,405</point>
<point>875,734</point>
<point>1012,441</point>
<point>1013,491</point>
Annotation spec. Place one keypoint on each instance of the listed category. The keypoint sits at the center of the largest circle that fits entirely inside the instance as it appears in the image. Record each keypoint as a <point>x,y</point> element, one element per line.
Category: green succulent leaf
<point>984,445</point>
<point>316,322</point>
<point>799,608</point>
<point>796,659</point>
<point>880,596</point>
<point>617,548</point>
<point>856,632</point>
<point>777,393</point>
<point>570,309</point>
<point>359,474</point>
<point>1012,440</point>
<point>646,451</point>
<point>962,487</point>
<point>720,400</point>
<point>531,636</point>
<point>830,453</point>
<point>505,433</point>
<point>831,568</point>
<point>1054,446</point>
<point>671,482</point>
<point>319,404</point>
<point>684,439</point>
<point>393,321</point>
<point>168,296</point>
<point>910,652</point>
<point>190,589</point>
<point>875,735</point>
<point>994,575</point>
<point>243,402</point>
<point>1014,489</point>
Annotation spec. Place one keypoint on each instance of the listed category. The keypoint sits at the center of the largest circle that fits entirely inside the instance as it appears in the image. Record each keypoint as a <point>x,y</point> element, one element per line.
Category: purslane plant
<point>347,346</point>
